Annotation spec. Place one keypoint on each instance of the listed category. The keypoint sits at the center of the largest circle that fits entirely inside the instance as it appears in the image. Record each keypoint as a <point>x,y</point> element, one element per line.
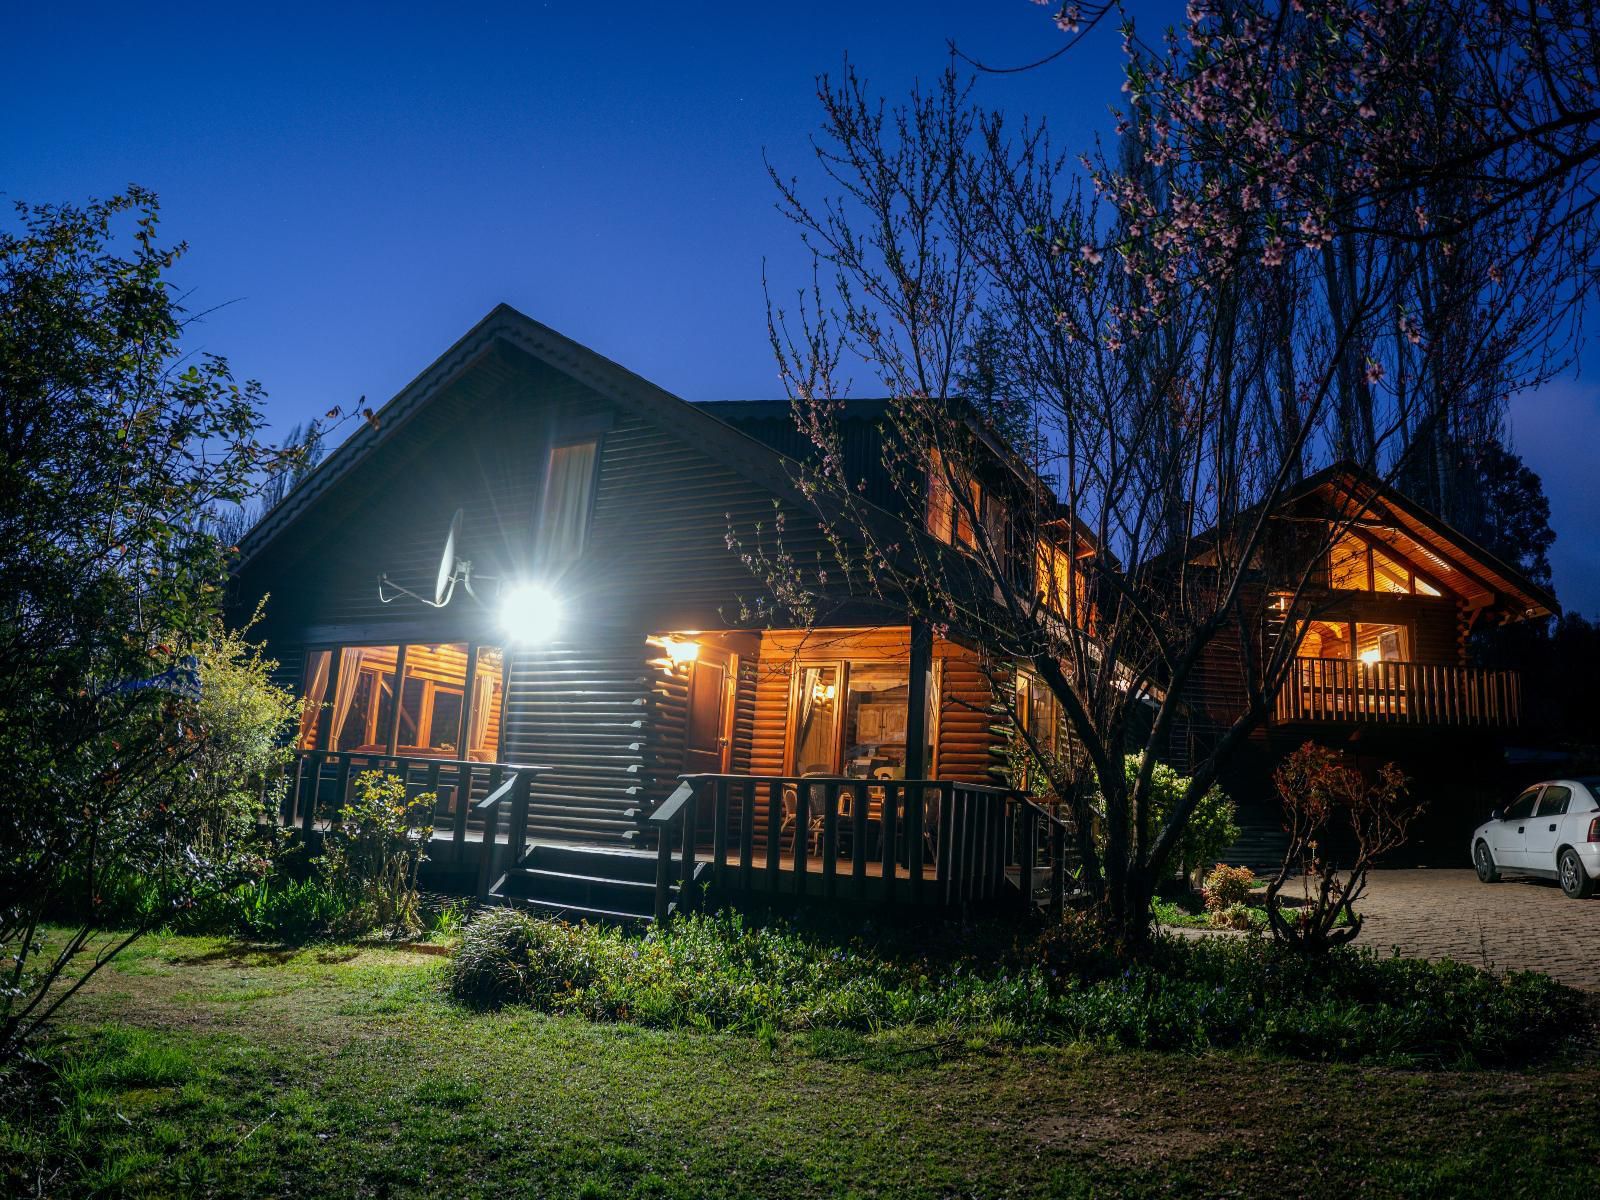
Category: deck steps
<point>578,881</point>
<point>1261,843</point>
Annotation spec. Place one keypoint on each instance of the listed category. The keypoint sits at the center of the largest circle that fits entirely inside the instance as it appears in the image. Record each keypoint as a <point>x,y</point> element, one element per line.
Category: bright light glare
<point>529,613</point>
<point>1371,656</point>
<point>680,653</point>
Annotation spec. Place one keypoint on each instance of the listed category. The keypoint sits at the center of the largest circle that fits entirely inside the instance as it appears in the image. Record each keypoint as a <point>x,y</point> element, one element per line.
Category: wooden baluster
<point>830,837</point>
<point>432,789</point>
<point>888,854</point>
<point>774,833</point>
<point>461,802</point>
<point>291,802</point>
<point>719,832</point>
<point>747,829</point>
<point>802,834</point>
<point>858,836</point>
<point>944,848</point>
<point>916,798</point>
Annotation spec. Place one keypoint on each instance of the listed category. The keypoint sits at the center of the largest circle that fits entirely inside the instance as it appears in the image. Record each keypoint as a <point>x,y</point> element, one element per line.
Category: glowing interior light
<point>529,613</point>
<point>1371,656</point>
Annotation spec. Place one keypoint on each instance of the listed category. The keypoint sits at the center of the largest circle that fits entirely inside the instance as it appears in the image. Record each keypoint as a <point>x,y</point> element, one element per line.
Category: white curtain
<point>345,693</point>
<point>568,492</point>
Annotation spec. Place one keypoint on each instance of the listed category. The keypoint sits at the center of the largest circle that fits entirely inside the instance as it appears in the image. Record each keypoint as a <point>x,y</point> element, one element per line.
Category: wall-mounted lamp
<point>529,614</point>
<point>680,652</point>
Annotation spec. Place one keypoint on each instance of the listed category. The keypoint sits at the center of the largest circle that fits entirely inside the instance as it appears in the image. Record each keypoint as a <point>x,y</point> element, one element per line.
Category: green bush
<point>1211,828</point>
<point>376,851</point>
<point>720,972</point>
<point>1227,886</point>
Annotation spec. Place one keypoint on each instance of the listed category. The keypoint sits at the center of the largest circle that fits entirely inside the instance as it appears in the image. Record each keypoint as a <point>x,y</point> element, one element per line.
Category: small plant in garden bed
<point>721,972</point>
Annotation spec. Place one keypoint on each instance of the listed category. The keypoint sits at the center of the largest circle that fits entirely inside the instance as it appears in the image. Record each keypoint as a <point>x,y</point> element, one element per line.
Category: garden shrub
<point>721,972</point>
<point>1211,828</point>
<point>377,848</point>
<point>1236,916</point>
<point>1227,886</point>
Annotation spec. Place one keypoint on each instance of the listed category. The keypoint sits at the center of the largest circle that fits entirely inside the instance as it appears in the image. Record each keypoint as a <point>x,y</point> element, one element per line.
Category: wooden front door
<point>710,725</point>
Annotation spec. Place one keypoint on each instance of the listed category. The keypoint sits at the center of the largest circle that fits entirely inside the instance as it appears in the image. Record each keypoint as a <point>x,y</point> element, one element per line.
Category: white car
<point>1551,830</point>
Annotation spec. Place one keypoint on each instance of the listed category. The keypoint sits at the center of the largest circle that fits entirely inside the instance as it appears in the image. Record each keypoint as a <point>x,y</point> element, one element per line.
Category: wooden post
<point>517,834</point>
<point>802,834</point>
<point>916,800</point>
<point>663,874</point>
<point>921,665</point>
<point>393,733</point>
<point>690,851</point>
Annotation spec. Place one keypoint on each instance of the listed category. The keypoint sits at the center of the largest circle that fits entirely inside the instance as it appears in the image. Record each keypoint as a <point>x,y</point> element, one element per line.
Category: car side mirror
<point>1498,814</point>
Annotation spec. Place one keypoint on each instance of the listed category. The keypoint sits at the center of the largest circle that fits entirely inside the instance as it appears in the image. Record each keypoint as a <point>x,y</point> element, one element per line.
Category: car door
<point>1539,846</point>
<point>1507,836</point>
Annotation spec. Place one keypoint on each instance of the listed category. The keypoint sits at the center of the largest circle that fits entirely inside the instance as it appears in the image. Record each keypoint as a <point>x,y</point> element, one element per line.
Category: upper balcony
<point>1343,690</point>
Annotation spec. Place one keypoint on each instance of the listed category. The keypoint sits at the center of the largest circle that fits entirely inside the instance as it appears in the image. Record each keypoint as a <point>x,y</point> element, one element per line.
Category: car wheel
<point>1575,881</point>
<point>1484,862</point>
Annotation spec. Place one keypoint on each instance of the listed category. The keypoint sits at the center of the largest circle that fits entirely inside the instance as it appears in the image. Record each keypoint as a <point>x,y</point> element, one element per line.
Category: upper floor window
<point>1060,586</point>
<point>1355,565</point>
<point>948,520</point>
<point>568,498</point>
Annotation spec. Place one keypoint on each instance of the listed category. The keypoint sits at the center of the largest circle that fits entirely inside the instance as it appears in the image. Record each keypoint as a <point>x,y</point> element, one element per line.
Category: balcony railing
<point>1398,693</point>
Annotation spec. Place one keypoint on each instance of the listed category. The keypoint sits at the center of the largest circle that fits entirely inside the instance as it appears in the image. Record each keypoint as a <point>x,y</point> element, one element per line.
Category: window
<point>1055,578</point>
<point>1355,565</point>
<point>851,719</point>
<point>568,498</point>
<point>875,721</point>
<point>947,520</point>
<point>1522,807</point>
<point>1554,801</point>
<point>1364,641</point>
<point>448,700</point>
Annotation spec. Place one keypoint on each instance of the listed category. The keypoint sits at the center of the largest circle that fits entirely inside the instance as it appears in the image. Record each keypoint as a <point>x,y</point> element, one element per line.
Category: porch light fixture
<point>529,613</point>
<point>680,653</point>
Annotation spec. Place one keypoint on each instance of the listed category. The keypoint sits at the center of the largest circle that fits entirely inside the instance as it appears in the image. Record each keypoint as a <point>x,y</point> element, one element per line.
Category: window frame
<point>841,669</point>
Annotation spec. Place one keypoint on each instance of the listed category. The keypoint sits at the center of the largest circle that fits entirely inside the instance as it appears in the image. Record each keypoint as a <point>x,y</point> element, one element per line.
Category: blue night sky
<point>360,184</point>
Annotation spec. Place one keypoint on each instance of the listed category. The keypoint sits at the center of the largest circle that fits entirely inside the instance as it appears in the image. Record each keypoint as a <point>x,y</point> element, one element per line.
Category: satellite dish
<point>452,570</point>
<point>444,582</point>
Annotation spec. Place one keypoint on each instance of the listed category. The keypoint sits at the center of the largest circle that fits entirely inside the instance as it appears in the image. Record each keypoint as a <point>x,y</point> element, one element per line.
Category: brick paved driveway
<point>1516,924</point>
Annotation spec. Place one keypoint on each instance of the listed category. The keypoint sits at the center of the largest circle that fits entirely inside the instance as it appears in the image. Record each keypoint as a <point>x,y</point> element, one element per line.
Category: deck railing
<point>1401,693</point>
<point>919,842</point>
<point>469,797</point>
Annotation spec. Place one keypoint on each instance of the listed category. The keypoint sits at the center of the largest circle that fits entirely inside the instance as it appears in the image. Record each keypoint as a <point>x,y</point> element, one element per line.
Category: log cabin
<point>1382,664</point>
<point>589,683</point>
<point>517,588</point>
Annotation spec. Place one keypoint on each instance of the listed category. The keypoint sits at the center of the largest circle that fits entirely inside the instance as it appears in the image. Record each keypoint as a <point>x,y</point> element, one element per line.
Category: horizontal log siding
<point>582,710</point>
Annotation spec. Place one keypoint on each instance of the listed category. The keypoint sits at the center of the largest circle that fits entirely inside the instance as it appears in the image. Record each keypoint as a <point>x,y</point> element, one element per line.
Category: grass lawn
<point>198,1066</point>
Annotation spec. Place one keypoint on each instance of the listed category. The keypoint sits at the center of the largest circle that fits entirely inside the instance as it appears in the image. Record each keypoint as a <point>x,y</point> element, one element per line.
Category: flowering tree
<point>1328,802</point>
<point>1107,374</point>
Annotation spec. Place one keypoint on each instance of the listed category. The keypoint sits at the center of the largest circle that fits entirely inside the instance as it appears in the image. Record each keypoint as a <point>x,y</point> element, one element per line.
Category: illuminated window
<point>947,520</point>
<point>446,700</point>
<point>1356,565</point>
<point>1363,641</point>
